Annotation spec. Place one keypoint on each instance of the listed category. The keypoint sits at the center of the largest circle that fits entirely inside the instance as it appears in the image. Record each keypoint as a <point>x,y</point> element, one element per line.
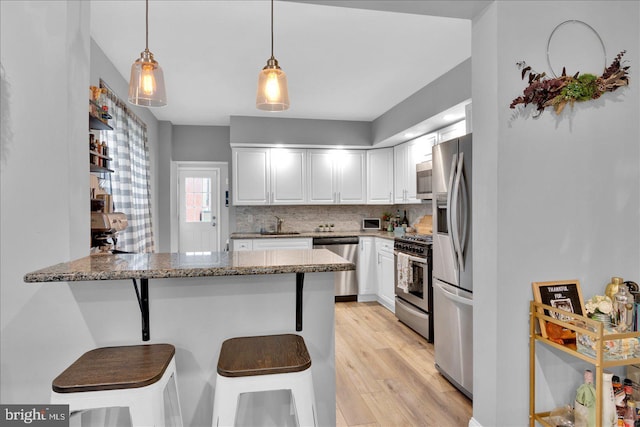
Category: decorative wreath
<point>560,91</point>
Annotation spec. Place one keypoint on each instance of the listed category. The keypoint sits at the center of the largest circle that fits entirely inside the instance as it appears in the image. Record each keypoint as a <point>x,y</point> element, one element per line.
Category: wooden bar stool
<point>264,363</point>
<point>131,376</point>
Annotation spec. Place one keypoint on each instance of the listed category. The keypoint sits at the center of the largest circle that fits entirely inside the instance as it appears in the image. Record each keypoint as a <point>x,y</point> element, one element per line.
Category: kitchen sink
<point>278,233</point>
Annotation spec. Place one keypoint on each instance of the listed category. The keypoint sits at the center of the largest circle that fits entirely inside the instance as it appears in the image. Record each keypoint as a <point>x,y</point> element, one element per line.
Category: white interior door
<point>199,211</point>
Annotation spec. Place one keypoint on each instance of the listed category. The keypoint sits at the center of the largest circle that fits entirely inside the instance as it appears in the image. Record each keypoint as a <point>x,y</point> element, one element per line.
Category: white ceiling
<point>343,63</point>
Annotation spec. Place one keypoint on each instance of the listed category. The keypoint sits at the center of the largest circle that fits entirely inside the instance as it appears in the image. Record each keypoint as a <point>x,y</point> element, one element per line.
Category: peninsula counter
<point>204,299</point>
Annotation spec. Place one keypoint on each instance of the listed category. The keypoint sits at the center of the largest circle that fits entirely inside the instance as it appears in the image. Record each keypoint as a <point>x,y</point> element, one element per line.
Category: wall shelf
<point>97,124</point>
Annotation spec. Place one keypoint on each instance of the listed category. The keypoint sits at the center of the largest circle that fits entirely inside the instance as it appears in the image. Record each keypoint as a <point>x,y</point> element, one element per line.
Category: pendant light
<point>273,94</point>
<point>146,85</point>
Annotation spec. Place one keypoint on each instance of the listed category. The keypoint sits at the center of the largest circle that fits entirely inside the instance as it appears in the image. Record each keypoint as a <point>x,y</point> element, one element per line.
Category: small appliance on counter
<point>105,228</point>
<point>371,224</point>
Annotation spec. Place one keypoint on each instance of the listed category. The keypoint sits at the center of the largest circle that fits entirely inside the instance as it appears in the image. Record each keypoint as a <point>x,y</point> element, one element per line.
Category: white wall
<point>554,198</point>
<point>44,187</point>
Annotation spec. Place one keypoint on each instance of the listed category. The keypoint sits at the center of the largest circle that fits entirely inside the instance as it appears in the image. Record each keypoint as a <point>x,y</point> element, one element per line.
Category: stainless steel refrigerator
<point>452,272</point>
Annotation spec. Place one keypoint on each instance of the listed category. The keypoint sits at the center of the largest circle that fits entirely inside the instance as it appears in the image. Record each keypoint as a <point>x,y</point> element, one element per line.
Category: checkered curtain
<point>130,183</point>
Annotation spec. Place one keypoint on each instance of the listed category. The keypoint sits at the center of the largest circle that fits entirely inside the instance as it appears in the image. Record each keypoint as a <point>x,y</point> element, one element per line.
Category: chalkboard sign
<point>563,294</point>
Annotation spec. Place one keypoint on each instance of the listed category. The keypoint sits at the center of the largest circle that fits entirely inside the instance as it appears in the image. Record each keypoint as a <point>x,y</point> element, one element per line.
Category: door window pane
<point>198,199</point>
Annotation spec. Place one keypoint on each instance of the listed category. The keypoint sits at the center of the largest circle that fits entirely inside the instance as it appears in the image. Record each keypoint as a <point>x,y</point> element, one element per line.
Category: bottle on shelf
<point>629,418</point>
<point>405,221</point>
<point>92,149</point>
<point>585,403</point>
<point>609,415</point>
<point>622,309</point>
<point>619,396</point>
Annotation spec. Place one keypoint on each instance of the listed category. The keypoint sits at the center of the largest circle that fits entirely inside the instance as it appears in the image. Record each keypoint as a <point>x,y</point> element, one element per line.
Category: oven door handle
<point>412,258</point>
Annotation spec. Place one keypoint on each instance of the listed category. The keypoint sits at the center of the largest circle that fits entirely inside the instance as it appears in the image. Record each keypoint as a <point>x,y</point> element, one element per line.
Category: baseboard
<point>367,297</point>
<point>474,423</point>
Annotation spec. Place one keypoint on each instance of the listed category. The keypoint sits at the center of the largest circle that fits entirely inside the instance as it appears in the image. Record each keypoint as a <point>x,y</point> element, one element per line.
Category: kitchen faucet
<point>279,222</point>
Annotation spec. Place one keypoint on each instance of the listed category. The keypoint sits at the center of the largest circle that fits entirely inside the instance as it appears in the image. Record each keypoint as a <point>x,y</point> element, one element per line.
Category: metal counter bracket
<point>142,295</point>
<point>299,285</point>
<point>143,302</point>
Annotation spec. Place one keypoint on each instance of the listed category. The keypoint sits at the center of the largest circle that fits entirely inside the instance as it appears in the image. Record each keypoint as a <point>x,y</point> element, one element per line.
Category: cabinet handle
<point>390,197</point>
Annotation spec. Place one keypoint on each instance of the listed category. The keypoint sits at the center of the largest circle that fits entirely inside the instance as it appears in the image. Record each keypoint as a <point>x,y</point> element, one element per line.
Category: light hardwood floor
<point>385,374</point>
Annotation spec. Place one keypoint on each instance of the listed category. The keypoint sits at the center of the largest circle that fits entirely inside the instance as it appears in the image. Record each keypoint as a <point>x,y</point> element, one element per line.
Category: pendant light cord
<point>271,28</point>
<point>147,27</point>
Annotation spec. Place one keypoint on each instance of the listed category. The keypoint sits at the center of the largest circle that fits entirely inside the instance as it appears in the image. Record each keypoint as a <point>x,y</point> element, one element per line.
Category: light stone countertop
<point>307,234</point>
<point>176,265</point>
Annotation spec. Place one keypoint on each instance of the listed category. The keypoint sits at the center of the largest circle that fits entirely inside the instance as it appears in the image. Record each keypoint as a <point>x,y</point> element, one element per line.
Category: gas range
<point>413,244</point>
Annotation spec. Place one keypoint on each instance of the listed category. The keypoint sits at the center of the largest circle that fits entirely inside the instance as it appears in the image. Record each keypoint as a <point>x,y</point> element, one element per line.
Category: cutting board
<point>424,225</point>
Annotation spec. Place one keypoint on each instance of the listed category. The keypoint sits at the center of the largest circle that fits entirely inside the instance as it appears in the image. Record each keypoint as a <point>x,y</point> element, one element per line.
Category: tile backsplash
<point>307,218</point>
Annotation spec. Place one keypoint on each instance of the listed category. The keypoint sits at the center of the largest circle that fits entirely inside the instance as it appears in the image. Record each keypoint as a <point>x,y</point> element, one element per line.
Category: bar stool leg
<point>173,403</point>
<point>304,398</point>
<point>225,403</point>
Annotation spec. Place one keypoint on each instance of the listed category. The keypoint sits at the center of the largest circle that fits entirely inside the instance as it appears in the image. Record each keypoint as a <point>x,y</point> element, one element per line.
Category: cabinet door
<point>351,185</point>
<point>250,176</point>
<point>367,282</point>
<point>455,130</point>
<point>380,176</point>
<point>418,151</point>
<point>282,243</point>
<point>400,172</point>
<point>242,245</point>
<point>288,176</point>
<point>321,185</point>
<point>386,276</point>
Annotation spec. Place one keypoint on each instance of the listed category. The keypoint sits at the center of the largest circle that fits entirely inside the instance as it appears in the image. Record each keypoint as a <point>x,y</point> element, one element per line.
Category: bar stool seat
<point>264,363</point>
<point>128,376</point>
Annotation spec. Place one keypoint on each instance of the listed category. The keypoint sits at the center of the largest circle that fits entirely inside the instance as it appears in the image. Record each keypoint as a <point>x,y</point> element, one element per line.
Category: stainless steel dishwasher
<point>346,282</point>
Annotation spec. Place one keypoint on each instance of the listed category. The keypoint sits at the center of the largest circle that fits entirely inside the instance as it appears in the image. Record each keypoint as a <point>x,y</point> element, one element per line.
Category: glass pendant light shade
<point>146,85</point>
<point>273,93</point>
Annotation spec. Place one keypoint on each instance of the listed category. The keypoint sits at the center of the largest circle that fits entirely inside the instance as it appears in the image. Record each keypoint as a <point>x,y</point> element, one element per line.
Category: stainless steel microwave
<point>423,180</point>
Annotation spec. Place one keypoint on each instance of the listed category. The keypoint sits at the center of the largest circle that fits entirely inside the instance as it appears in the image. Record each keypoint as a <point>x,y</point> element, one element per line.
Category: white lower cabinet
<point>242,245</point>
<point>366,270</point>
<point>385,269</point>
<point>268,244</point>
<point>282,243</point>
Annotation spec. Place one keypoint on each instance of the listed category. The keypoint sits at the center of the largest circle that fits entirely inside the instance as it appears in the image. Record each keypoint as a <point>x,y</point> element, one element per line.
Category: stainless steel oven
<point>413,286</point>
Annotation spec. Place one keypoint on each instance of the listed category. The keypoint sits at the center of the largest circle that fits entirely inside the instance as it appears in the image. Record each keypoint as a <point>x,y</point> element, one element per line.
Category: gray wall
<point>262,130</point>
<point>443,93</point>
<point>556,197</point>
<point>201,143</point>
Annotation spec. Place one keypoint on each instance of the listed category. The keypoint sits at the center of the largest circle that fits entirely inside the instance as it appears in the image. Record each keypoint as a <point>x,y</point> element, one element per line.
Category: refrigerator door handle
<point>450,216</point>
<point>455,214</point>
<point>465,213</point>
<point>454,297</point>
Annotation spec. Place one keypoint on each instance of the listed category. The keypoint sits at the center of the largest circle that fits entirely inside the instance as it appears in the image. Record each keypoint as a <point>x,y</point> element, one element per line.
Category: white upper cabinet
<point>336,176</point>
<point>453,131</point>
<point>406,157</point>
<point>288,176</point>
<point>322,184</point>
<point>269,176</point>
<point>380,176</point>
<point>251,176</point>
<point>352,181</point>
